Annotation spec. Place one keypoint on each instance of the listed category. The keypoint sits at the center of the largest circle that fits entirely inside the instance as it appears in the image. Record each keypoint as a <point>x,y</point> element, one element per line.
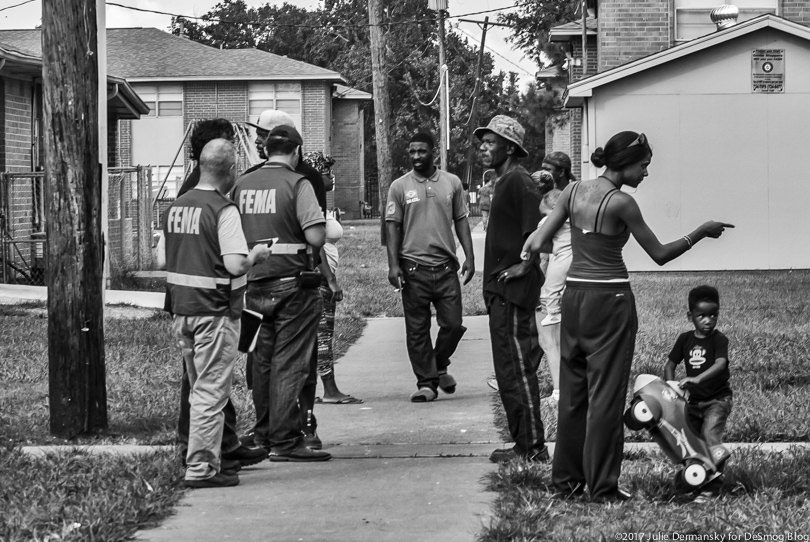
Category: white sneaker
<point>492,383</point>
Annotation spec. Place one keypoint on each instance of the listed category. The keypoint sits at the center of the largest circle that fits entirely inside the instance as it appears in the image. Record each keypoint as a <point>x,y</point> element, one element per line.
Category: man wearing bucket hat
<point>514,214</point>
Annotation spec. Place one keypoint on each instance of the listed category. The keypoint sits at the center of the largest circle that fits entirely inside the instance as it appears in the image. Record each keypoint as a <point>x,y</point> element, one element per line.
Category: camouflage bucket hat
<point>509,129</point>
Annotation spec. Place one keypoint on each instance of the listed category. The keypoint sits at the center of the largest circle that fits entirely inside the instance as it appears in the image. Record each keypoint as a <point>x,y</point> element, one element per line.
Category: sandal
<point>423,395</point>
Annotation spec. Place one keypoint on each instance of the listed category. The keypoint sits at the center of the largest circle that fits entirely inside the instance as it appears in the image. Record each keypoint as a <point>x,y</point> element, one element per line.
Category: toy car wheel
<point>638,416</point>
<point>641,412</point>
<point>694,474</point>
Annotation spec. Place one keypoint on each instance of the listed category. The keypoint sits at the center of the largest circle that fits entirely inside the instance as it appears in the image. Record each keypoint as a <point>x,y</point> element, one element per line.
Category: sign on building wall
<point>768,71</point>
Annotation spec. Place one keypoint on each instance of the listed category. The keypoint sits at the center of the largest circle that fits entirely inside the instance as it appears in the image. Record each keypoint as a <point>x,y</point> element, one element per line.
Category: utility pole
<point>76,374</point>
<point>444,86</point>
<point>382,106</point>
<point>584,37</point>
<point>468,168</point>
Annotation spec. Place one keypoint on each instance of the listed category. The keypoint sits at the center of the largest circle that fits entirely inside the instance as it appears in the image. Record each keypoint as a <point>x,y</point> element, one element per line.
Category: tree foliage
<point>335,36</point>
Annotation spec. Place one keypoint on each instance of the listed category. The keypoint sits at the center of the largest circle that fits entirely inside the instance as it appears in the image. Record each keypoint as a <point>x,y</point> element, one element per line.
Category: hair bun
<point>598,157</point>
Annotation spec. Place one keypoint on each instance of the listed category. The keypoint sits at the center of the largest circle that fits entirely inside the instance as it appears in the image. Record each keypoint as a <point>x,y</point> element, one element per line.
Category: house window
<point>282,96</point>
<point>693,17</point>
<point>163,100</point>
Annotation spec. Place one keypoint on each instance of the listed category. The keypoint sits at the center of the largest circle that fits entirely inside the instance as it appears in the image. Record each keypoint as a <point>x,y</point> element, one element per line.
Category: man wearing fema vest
<point>204,251</point>
<point>276,202</point>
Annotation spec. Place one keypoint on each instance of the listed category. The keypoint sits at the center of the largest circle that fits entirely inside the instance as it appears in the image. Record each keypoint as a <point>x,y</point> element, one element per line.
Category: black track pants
<point>598,336</point>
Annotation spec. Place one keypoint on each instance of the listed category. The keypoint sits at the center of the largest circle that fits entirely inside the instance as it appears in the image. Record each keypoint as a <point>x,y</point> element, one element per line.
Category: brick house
<point>183,81</point>
<point>725,147</point>
<point>22,207</point>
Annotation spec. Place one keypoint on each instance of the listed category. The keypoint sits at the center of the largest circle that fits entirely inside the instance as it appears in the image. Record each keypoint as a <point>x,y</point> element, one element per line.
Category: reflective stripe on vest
<point>210,283</point>
<point>288,248</point>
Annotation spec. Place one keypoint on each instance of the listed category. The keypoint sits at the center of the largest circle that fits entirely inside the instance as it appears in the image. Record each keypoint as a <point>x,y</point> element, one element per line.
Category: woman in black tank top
<point>599,320</point>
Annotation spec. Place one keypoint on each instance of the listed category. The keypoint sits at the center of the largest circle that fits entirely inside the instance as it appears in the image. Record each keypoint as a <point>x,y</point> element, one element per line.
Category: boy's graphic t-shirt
<point>698,356</point>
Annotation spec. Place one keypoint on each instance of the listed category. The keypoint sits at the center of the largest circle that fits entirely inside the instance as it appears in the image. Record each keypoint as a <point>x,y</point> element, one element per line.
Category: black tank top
<point>596,256</point>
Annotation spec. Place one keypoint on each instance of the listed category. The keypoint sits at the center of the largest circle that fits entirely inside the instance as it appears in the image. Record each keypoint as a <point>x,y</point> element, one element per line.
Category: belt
<point>431,268</point>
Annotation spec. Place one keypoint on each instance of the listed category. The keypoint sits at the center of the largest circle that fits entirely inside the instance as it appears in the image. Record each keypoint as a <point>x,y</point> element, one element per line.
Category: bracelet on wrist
<point>689,242</point>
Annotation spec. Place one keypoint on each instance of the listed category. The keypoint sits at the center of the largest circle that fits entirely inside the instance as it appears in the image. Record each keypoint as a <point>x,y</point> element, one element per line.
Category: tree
<point>336,37</point>
<point>382,105</point>
<point>531,24</point>
<point>77,388</point>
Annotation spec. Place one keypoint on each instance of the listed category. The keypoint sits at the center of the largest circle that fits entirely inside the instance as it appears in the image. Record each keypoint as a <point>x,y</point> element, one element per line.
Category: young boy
<point>705,355</point>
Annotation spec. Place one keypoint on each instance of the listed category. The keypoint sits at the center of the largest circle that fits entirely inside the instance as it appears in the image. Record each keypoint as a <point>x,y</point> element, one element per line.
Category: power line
<point>17,5</point>
<point>276,25</point>
<point>490,49</point>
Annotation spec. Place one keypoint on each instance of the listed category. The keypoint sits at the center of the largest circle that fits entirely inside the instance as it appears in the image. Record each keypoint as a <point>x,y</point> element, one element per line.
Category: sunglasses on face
<point>640,140</point>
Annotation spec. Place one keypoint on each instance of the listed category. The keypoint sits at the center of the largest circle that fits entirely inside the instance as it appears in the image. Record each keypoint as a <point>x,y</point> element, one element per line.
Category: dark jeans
<point>708,418</point>
<point>516,355</point>
<point>597,340</point>
<point>282,359</point>
<point>230,440</point>
<point>424,285</point>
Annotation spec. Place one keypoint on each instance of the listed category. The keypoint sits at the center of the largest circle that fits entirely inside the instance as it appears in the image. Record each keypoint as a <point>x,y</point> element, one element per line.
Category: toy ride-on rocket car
<point>660,408</point>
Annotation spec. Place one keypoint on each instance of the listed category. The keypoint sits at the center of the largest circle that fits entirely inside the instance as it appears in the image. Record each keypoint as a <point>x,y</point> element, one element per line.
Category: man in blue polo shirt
<point>424,206</point>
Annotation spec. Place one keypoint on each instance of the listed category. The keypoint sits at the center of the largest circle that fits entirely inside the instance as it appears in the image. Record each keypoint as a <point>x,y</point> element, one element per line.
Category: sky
<point>506,59</point>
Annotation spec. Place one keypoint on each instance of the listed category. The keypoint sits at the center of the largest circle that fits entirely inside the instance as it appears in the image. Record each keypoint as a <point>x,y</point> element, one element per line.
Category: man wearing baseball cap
<point>268,121</point>
<point>276,201</point>
<point>512,288</point>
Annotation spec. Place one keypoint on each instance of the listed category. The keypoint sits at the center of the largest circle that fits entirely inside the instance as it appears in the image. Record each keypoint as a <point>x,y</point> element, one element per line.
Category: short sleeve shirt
<point>698,356</point>
<point>427,208</point>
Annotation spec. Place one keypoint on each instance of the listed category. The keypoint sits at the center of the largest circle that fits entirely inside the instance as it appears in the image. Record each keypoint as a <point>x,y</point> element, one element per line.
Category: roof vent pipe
<point>725,16</point>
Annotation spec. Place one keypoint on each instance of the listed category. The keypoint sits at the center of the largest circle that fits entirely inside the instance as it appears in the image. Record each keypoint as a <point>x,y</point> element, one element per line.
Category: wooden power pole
<point>77,389</point>
<point>444,87</point>
<point>473,123</point>
<point>382,106</point>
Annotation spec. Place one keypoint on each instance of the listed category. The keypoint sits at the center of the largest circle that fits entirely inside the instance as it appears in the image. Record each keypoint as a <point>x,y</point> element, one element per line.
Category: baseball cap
<point>270,118</point>
<point>285,132</point>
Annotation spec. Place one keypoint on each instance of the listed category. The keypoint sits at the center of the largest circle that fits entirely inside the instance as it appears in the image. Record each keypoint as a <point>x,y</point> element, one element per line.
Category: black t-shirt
<point>315,178</point>
<point>513,214</point>
<point>698,356</point>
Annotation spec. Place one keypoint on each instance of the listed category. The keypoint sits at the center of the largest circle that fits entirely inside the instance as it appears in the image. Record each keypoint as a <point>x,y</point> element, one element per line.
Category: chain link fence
<point>23,215</point>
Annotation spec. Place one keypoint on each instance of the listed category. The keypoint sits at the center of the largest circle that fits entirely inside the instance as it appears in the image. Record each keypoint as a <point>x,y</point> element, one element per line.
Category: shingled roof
<point>149,54</point>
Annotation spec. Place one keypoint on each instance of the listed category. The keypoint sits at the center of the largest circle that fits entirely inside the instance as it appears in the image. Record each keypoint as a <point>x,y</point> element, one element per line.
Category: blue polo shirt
<point>427,208</point>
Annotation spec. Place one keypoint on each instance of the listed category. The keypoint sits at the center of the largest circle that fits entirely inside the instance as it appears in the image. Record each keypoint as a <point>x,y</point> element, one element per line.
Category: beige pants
<point>209,351</point>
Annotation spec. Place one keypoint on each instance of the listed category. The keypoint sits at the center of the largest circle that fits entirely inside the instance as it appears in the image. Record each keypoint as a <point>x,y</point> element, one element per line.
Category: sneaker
<point>617,496</point>
<point>447,383</point>
<point>220,479</point>
<point>492,383</point>
<point>423,395</point>
<point>312,441</point>
<point>300,454</point>
<point>246,456</point>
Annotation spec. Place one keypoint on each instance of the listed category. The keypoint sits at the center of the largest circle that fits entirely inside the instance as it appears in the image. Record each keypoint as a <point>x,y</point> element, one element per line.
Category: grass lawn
<point>765,316</point>
<point>75,496</point>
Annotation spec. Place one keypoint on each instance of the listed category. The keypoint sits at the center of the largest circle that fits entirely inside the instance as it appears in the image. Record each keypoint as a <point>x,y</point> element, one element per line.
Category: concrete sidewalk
<point>400,470</point>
